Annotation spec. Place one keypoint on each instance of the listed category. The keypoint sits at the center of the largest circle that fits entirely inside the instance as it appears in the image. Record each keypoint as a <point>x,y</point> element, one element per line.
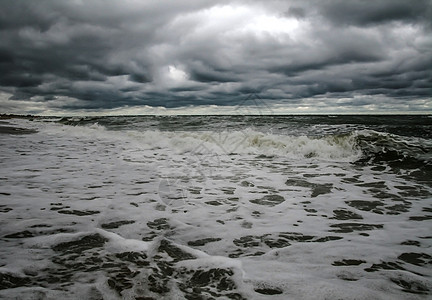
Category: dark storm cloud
<point>359,12</point>
<point>110,54</point>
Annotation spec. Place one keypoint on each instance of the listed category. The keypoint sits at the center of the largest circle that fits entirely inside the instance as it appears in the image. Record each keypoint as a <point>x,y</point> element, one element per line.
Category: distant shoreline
<point>15,116</point>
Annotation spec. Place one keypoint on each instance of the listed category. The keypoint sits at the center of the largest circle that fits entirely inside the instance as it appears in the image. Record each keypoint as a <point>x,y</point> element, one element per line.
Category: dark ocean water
<point>217,207</point>
<point>404,125</point>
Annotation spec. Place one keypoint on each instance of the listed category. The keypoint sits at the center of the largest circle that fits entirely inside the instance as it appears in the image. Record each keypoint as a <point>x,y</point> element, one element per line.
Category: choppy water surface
<point>217,207</point>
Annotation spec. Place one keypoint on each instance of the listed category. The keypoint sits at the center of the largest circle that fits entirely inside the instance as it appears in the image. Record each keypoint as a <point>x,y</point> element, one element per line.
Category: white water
<point>211,185</point>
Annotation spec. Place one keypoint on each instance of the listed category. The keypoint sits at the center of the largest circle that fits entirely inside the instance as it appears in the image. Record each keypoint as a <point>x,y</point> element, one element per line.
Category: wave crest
<point>391,148</point>
<point>357,146</point>
<point>337,148</point>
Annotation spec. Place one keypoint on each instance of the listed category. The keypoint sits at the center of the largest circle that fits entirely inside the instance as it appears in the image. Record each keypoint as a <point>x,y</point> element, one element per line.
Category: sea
<point>216,207</point>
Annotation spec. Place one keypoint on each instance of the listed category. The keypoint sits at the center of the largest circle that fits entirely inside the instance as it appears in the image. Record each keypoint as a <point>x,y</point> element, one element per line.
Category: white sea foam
<point>289,215</point>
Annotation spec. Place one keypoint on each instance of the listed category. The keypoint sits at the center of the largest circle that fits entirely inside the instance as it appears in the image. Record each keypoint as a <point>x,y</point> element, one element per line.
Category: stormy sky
<point>202,56</point>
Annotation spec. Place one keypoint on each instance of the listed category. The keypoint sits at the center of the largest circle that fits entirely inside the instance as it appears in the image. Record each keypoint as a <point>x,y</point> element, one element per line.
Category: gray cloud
<point>111,54</point>
<point>369,13</point>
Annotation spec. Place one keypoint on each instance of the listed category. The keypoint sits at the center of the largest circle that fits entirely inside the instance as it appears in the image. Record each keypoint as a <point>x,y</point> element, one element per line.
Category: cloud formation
<point>96,55</point>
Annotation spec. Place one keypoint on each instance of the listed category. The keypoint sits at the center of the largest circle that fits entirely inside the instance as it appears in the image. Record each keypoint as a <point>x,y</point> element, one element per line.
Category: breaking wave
<point>398,151</point>
<point>356,146</point>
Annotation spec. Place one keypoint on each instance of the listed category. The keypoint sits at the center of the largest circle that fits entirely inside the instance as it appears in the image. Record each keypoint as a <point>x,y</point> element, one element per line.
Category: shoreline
<point>14,116</point>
